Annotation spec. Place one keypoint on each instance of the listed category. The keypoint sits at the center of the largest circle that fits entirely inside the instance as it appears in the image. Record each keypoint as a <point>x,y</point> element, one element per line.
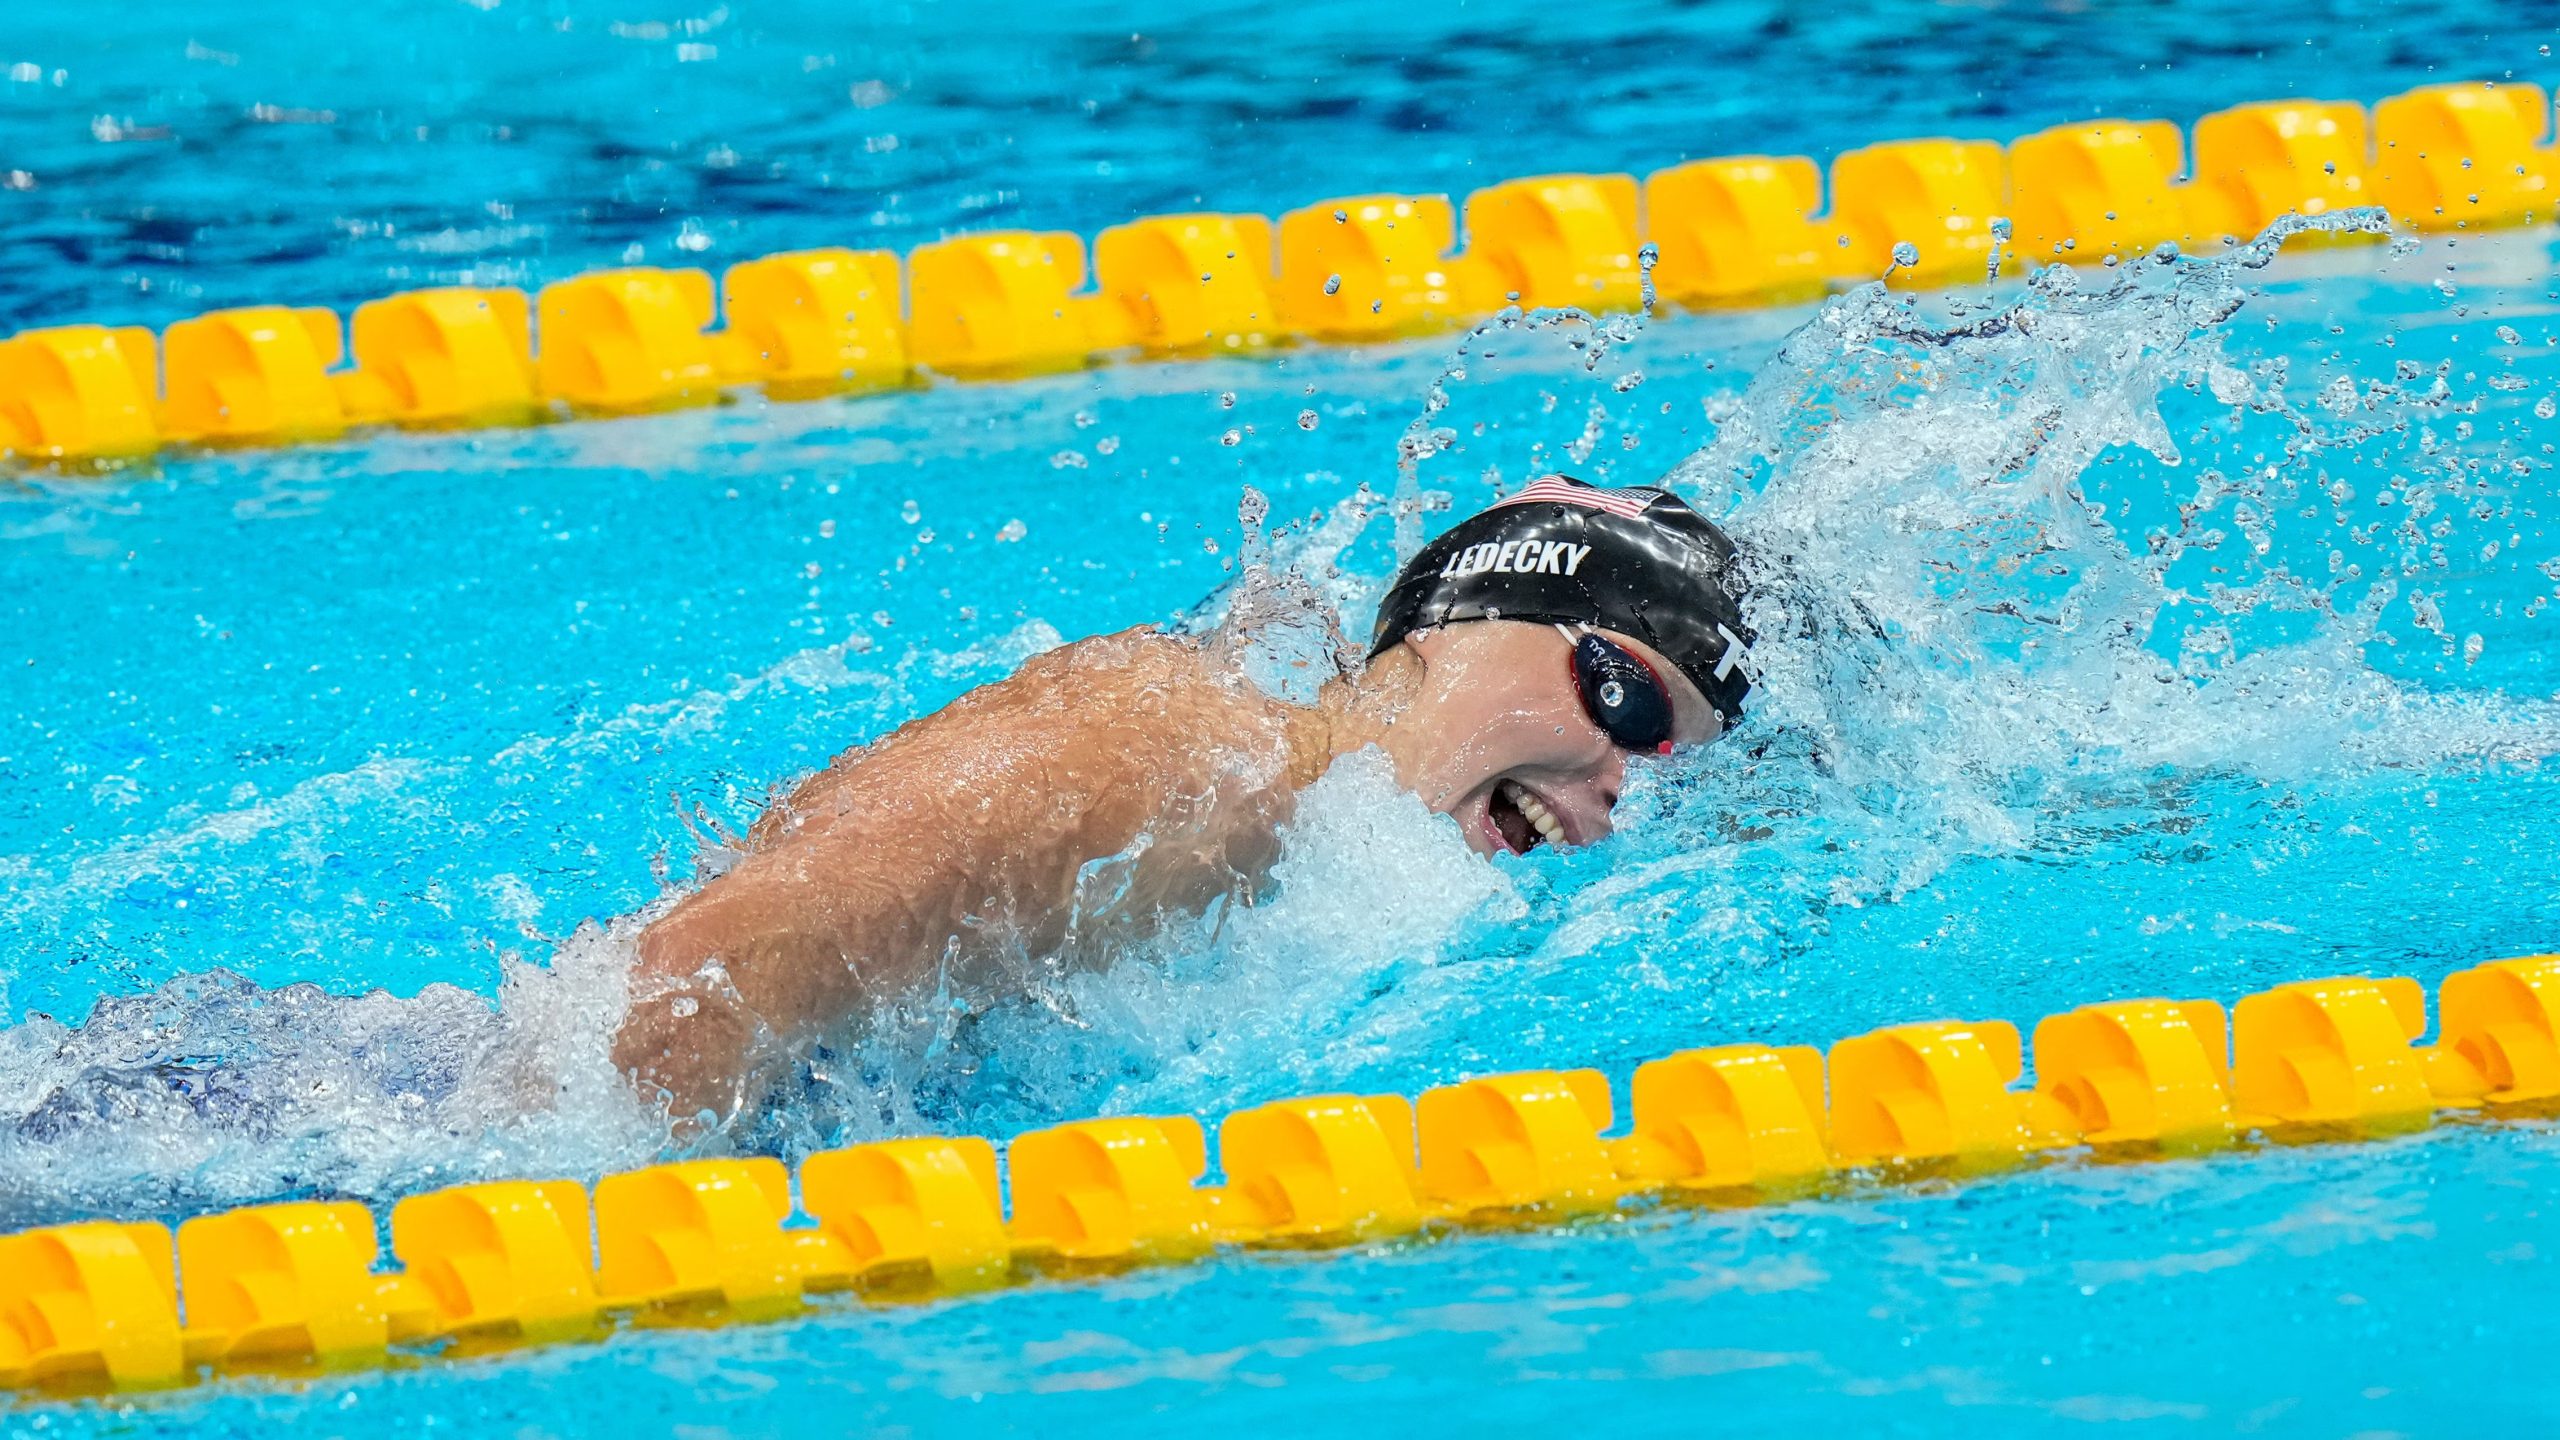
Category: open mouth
<point>1521,819</point>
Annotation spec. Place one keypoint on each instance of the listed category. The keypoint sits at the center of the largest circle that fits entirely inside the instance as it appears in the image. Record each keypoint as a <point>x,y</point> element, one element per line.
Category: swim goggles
<point>1621,693</point>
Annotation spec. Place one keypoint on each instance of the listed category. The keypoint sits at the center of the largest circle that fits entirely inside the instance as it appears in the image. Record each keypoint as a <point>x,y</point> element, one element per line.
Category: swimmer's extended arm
<point>857,888</point>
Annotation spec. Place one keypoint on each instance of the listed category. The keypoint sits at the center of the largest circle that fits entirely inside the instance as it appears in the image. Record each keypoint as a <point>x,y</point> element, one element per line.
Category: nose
<point>1611,778</point>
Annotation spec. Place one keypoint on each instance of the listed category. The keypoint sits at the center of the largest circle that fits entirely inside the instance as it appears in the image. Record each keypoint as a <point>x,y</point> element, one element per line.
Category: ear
<point>1428,644</point>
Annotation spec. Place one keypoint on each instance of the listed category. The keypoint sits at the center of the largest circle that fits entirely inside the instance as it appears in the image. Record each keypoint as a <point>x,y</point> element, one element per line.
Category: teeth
<point>1549,828</point>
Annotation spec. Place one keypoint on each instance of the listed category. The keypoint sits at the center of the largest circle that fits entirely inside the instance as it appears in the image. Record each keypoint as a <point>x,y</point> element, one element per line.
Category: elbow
<point>687,1058</point>
<point>686,1041</point>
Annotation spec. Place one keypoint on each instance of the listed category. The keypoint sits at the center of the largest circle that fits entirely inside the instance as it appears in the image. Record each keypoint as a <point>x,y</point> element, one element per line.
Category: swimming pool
<point>404,712</point>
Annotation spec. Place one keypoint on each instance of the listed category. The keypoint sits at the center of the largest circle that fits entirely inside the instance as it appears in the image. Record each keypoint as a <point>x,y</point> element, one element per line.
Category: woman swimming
<point>1517,662</point>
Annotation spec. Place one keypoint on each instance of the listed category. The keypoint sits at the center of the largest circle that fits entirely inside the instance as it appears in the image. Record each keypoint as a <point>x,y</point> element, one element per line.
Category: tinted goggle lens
<point>1623,695</point>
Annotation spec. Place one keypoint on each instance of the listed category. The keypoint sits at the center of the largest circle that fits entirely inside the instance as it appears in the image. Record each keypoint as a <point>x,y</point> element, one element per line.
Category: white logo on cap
<point>1516,557</point>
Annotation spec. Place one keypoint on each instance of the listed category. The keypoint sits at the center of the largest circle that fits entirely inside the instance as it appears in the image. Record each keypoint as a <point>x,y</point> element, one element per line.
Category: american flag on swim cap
<point>1558,489</point>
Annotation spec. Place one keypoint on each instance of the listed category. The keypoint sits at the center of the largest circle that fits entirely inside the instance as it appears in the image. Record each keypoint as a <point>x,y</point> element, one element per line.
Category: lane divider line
<point>102,1306</point>
<point>1732,231</point>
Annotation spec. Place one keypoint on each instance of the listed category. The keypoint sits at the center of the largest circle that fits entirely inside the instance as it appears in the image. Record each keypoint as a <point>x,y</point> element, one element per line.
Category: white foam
<point>211,1090</point>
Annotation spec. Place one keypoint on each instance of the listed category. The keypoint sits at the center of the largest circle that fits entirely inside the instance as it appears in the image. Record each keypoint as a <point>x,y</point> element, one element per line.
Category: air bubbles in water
<point>1306,419</point>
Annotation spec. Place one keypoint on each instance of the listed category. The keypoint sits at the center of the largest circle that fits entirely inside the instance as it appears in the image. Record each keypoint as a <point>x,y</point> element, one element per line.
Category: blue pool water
<point>325,771</point>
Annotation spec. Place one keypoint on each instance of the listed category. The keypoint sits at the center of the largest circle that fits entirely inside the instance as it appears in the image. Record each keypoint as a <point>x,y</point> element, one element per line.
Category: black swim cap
<point>1638,561</point>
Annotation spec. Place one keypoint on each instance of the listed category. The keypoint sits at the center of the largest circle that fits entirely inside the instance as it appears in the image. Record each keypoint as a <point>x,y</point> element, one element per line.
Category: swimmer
<point>1518,662</point>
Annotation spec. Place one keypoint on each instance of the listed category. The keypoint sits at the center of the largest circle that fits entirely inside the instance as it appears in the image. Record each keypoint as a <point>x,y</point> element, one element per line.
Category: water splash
<point>1995,598</point>
<point>1588,340</point>
<point>212,1091</point>
<point>1273,624</point>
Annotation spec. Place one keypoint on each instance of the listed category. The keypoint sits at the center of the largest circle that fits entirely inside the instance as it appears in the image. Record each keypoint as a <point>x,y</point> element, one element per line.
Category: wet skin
<point>930,854</point>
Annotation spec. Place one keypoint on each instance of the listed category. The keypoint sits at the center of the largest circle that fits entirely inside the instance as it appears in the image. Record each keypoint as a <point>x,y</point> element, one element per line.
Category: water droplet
<point>1232,438</point>
<point>826,529</point>
<point>2545,408</point>
<point>1068,460</point>
<point>1333,284</point>
<point>1107,445</point>
<point>910,513</point>
<point>1306,419</point>
<point>1012,531</point>
<point>1905,254</point>
<point>1226,399</point>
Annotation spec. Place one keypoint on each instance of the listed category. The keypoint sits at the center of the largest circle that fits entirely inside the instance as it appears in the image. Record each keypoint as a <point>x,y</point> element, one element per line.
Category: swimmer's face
<point>1498,737</point>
